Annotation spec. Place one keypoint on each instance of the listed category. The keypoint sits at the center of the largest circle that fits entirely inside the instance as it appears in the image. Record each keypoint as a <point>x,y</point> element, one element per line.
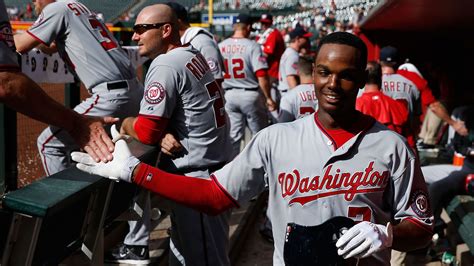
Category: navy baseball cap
<point>179,10</point>
<point>389,54</point>
<point>243,18</point>
<point>299,31</point>
<point>266,18</point>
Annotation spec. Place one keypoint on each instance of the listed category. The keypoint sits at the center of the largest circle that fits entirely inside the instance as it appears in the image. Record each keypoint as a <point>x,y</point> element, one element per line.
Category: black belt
<point>283,90</point>
<point>117,85</point>
<point>245,89</point>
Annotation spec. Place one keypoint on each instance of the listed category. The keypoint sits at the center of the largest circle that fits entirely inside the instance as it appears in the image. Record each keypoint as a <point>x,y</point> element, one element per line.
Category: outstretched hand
<point>91,136</point>
<point>119,168</point>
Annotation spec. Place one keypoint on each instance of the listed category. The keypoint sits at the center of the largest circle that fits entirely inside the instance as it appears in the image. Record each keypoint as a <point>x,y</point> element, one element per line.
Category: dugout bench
<point>55,216</point>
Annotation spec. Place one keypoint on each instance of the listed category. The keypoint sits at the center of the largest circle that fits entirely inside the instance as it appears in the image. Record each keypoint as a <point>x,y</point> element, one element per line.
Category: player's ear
<point>167,30</point>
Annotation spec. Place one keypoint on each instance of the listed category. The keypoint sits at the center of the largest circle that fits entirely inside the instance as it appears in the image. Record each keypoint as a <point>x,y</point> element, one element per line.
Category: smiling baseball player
<point>90,51</point>
<point>337,162</point>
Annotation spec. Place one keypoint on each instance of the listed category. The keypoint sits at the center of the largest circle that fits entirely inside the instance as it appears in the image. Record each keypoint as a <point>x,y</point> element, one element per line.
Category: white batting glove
<point>120,168</point>
<point>364,239</point>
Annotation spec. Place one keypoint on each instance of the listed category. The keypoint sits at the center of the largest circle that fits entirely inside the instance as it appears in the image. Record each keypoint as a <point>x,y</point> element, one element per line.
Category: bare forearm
<point>265,86</point>
<point>440,111</point>
<point>23,95</point>
<point>128,127</point>
<point>408,236</point>
<point>292,81</point>
<point>24,42</point>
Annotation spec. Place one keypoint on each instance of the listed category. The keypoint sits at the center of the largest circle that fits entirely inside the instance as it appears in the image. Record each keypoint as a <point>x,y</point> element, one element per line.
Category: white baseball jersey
<point>204,42</point>
<point>298,102</point>
<point>288,66</point>
<point>8,56</point>
<point>400,88</point>
<point>180,86</point>
<point>84,42</point>
<point>242,58</point>
<point>373,177</point>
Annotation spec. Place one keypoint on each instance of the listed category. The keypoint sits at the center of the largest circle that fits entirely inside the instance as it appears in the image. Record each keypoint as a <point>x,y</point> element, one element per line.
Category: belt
<point>114,85</point>
<point>283,90</point>
<point>245,89</point>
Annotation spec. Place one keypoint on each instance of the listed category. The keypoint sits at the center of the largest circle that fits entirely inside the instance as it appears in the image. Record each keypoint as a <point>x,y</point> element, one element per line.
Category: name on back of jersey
<point>198,66</point>
<point>396,86</point>
<point>233,49</point>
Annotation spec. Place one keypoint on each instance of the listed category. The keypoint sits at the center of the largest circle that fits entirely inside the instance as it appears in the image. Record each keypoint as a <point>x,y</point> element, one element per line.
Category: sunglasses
<point>142,28</point>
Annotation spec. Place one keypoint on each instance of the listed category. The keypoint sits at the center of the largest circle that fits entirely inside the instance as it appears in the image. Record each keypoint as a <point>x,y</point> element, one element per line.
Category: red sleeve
<point>150,129</point>
<point>269,45</point>
<point>186,190</point>
<point>427,97</point>
<point>261,73</point>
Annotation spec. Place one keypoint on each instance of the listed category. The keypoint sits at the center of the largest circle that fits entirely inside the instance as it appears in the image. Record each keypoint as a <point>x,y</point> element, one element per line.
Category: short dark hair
<point>305,65</point>
<point>374,73</point>
<point>179,10</point>
<point>349,39</point>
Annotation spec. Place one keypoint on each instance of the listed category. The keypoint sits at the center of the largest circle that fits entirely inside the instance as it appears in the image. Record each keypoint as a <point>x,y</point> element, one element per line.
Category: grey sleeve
<point>410,199</point>
<point>287,109</point>
<point>291,66</point>
<point>50,24</point>
<point>258,60</point>
<point>213,56</point>
<point>244,177</point>
<point>161,92</point>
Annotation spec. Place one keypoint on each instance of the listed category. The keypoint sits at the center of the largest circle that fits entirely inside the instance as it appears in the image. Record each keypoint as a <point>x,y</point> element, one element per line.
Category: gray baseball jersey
<point>242,58</point>
<point>8,56</point>
<point>288,66</point>
<point>204,42</point>
<point>90,51</point>
<point>310,181</point>
<point>84,42</point>
<point>180,86</point>
<point>400,88</point>
<point>298,102</point>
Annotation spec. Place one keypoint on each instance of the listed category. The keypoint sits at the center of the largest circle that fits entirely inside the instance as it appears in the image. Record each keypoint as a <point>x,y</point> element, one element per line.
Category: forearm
<point>265,86</point>
<point>204,195</point>
<point>292,81</point>
<point>408,236</point>
<point>22,94</point>
<point>24,42</point>
<point>440,111</point>
<point>48,49</point>
<point>127,127</point>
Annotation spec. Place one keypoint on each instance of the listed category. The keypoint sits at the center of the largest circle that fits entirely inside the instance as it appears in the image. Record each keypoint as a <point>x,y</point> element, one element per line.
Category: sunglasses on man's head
<point>142,28</point>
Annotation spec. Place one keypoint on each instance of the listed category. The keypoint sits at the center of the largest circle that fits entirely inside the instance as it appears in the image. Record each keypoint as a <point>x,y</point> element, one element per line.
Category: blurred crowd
<point>21,13</point>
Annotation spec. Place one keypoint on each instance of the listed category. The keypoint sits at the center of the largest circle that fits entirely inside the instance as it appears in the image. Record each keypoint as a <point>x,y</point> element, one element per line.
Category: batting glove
<point>120,168</point>
<point>364,239</point>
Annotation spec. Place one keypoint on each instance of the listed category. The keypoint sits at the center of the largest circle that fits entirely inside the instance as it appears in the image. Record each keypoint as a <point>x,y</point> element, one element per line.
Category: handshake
<point>120,168</point>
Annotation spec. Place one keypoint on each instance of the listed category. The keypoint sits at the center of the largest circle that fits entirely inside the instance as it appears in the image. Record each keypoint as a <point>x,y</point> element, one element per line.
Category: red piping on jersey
<point>318,123</point>
<point>204,195</point>
<point>420,224</point>
<point>304,200</point>
<point>37,38</point>
<point>213,177</point>
<point>43,146</point>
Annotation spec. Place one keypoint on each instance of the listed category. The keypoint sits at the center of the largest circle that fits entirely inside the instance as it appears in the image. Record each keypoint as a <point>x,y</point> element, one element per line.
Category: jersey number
<point>360,213</point>
<point>236,67</point>
<point>219,112</point>
<point>306,110</point>
<point>106,40</point>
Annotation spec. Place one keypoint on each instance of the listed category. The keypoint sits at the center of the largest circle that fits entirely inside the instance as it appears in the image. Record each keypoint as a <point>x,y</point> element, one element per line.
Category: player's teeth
<point>331,97</point>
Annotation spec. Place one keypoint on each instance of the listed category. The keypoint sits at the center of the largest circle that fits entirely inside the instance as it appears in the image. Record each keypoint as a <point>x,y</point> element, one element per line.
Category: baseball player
<point>182,96</point>
<point>375,103</point>
<point>273,46</point>
<point>201,39</point>
<point>300,101</point>
<point>90,51</point>
<point>289,60</point>
<point>22,94</point>
<point>245,80</point>
<point>337,162</point>
<point>401,89</point>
